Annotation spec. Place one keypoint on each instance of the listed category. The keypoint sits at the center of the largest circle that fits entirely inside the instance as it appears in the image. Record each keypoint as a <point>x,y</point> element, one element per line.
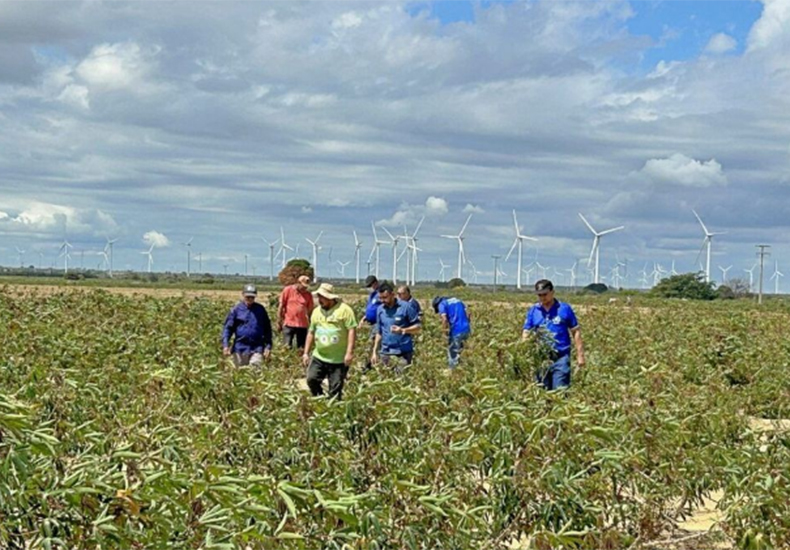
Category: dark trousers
<point>318,370</point>
<point>297,335</point>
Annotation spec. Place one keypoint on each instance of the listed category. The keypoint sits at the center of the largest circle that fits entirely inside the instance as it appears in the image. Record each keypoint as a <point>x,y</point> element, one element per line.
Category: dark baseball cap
<point>544,286</point>
<point>370,281</point>
<point>249,290</point>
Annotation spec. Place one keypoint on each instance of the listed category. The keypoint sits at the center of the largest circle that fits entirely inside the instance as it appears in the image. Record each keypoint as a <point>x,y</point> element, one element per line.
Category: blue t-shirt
<point>455,310</point>
<point>402,314</point>
<point>372,306</point>
<point>416,305</point>
<point>555,324</point>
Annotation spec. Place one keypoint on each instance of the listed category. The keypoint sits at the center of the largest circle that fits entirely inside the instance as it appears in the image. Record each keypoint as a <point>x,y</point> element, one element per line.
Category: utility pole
<point>496,268</point>
<point>762,254</point>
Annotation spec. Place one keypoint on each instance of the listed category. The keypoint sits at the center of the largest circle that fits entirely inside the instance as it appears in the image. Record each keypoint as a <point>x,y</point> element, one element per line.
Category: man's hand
<point>279,326</point>
<point>305,359</point>
<point>348,359</point>
<point>226,351</point>
<point>374,359</point>
<point>267,353</point>
<point>396,329</point>
<point>580,361</point>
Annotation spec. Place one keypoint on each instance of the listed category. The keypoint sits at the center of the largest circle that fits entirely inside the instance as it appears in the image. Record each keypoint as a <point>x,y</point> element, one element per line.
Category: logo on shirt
<point>557,320</point>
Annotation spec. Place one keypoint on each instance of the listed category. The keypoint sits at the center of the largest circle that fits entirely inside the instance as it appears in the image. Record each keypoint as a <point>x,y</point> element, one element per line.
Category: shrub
<point>293,270</point>
<point>690,286</point>
<point>455,282</point>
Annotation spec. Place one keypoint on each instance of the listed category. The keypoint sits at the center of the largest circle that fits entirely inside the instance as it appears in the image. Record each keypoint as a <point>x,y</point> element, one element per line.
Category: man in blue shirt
<point>456,324</point>
<point>404,293</point>
<point>555,323</point>
<point>371,308</point>
<point>396,322</point>
<point>249,326</point>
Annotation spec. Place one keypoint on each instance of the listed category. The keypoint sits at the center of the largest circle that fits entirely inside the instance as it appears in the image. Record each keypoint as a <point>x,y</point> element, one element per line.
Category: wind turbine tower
<point>357,246</point>
<point>271,256</point>
<point>595,251</point>
<point>314,245</point>
<point>188,244</point>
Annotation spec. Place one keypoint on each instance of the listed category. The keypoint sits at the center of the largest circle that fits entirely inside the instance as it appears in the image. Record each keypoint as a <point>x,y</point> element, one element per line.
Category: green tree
<point>293,270</point>
<point>690,286</point>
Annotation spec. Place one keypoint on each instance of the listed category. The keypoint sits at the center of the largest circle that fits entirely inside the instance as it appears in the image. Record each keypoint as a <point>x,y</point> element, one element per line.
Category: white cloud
<point>772,26</point>
<point>681,170</point>
<point>472,209</point>
<point>39,217</point>
<point>157,239</point>
<point>721,43</point>
<point>411,213</point>
<point>113,66</point>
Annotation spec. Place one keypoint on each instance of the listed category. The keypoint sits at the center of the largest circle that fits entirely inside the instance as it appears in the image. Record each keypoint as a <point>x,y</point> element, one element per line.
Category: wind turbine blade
<point>356,240</point>
<point>465,224</point>
<point>515,242</point>
<point>515,223</point>
<point>389,234</point>
<point>704,242</point>
<point>590,227</point>
<point>373,227</point>
<point>705,229</point>
<point>611,230</point>
<point>592,251</point>
<point>319,236</point>
<point>419,225</point>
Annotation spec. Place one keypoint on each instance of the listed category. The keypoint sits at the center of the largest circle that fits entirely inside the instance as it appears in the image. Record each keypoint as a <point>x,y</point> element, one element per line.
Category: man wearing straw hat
<point>333,330</point>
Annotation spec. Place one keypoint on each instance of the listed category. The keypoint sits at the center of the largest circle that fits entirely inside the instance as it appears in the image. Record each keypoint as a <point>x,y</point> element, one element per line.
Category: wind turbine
<point>706,242</point>
<point>376,246</point>
<point>441,271</point>
<point>150,255</point>
<point>411,254</point>
<point>108,250</point>
<point>395,241</point>
<point>751,275</point>
<point>21,253</point>
<point>357,246</point>
<point>271,256</point>
<point>724,271</point>
<point>519,241</point>
<point>596,246</point>
<point>572,274</point>
<point>64,251</point>
<point>776,276</point>
<point>460,239</point>
<point>315,246</point>
<point>188,244</point>
<point>342,268</point>
<point>284,247</point>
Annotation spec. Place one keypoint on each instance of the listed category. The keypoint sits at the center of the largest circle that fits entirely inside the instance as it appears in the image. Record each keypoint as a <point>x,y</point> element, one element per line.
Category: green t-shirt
<point>330,329</point>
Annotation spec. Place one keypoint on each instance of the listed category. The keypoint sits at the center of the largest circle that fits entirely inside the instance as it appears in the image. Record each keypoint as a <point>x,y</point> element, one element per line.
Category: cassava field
<point>122,427</point>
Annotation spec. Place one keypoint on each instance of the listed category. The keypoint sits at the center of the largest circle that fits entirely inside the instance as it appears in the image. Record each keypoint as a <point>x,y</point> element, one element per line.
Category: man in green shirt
<point>333,330</point>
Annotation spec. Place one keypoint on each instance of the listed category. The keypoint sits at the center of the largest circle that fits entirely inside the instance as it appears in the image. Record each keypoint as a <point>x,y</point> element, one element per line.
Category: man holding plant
<point>555,323</point>
<point>333,330</point>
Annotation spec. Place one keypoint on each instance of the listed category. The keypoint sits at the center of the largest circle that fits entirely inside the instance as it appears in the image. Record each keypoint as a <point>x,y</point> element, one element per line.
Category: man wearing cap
<point>371,308</point>
<point>456,324</point>
<point>396,322</point>
<point>249,326</point>
<point>296,305</point>
<point>333,330</point>
<point>555,323</point>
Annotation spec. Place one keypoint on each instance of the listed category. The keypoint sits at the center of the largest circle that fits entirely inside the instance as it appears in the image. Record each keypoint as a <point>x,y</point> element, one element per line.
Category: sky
<point>221,122</point>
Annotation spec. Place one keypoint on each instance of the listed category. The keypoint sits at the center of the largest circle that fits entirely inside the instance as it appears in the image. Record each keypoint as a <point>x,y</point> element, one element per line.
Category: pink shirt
<point>295,307</point>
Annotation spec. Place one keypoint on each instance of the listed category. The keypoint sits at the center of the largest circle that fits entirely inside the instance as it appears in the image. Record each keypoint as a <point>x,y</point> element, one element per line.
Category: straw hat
<point>327,291</point>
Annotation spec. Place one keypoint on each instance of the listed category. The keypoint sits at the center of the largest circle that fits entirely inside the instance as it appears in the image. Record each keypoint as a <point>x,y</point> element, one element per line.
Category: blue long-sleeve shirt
<point>249,327</point>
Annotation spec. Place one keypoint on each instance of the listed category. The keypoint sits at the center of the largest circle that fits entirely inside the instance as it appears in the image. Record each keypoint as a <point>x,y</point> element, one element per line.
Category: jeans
<point>454,346</point>
<point>557,375</point>
<point>318,370</point>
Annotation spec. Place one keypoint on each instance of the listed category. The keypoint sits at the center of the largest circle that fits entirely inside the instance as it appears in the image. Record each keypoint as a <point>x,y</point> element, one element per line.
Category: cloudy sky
<point>156,122</point>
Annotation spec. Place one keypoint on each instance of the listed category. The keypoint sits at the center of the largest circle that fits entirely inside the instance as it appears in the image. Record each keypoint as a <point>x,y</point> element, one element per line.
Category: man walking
<point>555,323</point>
<point>371,308</point>
<point>456,324</point>
<point>333,330</point>
<point>249,325</point>
<point>296,305</point>
<point>396,322</point>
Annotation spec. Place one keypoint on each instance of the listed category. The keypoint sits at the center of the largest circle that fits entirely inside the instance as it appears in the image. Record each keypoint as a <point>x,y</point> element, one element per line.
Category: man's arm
<point>281,308</point>
<point>445,323</point>
<point>577,340</point>
<point>374,357</point>
<point>352,340</point>
<point>307,345</point>
<point>227,331</point>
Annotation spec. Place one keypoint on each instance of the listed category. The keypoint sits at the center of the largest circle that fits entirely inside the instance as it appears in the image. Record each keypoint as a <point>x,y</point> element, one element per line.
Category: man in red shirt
<point>296,305</point>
